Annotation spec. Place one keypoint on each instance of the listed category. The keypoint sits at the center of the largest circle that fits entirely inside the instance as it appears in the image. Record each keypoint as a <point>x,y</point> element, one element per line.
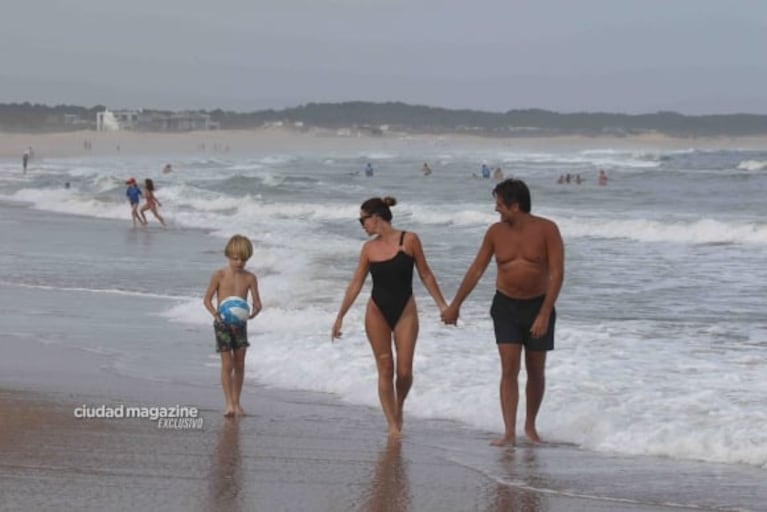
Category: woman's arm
<point>352,291</point>
<point>424,272</point>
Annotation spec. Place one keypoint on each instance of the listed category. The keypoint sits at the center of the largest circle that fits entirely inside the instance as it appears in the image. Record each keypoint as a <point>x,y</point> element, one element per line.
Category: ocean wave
<point>752,165</point>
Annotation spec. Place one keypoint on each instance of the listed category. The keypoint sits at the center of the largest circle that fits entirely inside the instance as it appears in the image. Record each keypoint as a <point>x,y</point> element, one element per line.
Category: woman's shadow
<point>389,489</point>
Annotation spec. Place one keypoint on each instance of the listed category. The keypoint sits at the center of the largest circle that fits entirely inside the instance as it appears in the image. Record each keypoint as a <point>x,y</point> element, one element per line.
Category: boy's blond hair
<point>239,247</point>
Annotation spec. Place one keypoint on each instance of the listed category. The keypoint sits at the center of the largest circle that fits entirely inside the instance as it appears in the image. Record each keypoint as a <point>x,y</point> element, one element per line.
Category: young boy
<point>232,340</point>
<point>134,194</point>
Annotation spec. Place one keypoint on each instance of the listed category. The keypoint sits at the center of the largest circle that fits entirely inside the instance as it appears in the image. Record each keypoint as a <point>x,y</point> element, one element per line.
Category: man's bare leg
<point>510,361</point>
<point>227,368</point>
<point>535,362</point>
<point>238,378</point>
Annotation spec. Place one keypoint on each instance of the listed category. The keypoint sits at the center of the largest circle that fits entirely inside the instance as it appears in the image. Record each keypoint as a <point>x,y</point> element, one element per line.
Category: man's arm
<point>555,261</point>
<point>472,277</point>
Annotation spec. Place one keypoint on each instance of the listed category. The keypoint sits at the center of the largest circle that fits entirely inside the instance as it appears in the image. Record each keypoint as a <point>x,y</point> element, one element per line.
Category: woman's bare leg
<point>405,335</point>
<point>379,336</point>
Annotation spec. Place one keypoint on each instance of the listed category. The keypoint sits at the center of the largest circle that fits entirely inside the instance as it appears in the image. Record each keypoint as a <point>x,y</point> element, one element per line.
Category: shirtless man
<point>530,256</point>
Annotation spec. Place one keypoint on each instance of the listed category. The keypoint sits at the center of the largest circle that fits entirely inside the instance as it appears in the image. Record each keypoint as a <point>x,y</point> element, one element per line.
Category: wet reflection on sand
<point>227,486</point>
<point>519,474</point>
<point>389,489</point>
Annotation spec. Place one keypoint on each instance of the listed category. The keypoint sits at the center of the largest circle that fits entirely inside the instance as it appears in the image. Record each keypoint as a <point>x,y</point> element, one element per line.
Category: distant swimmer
<point>485,170</point>
<point>498,174</point>
<point>426,170</point>
<point>25,160</point>
<point>369,169</point>
<point>167,169</point>
<point>602,180</point>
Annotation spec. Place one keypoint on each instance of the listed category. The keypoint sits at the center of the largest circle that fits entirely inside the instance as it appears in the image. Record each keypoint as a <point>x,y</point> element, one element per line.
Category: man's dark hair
<point>513,191</point>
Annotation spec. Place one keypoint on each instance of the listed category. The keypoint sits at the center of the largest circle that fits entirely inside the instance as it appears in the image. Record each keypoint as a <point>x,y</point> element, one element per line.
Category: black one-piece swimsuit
<point>393,284</point>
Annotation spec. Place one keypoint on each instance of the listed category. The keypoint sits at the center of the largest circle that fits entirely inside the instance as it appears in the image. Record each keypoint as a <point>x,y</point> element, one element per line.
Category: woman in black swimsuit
<point>390,258</point>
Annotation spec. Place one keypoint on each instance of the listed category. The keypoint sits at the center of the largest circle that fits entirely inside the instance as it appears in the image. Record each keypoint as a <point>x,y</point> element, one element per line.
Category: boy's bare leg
<point>510,361</point>
<point>227,370</point>
<point>535,362</point>
<point>238,378</point>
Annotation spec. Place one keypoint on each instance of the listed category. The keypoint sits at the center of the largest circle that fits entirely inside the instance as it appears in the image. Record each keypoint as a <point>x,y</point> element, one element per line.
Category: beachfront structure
<point>117,120</point>
<point>153,121</point>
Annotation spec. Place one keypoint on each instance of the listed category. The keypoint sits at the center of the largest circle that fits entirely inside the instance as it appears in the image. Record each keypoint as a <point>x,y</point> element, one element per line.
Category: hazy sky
<point>691,56</point>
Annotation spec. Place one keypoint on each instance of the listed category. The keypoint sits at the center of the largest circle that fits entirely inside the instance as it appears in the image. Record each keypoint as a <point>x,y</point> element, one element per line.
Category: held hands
<point>450,314</point>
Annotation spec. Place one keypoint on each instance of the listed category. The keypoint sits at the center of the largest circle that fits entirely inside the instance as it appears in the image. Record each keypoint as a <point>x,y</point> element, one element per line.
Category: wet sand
<point>300,451</point>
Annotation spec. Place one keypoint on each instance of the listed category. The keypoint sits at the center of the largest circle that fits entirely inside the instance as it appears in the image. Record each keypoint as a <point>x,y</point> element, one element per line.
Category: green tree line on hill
<point>416,118</point>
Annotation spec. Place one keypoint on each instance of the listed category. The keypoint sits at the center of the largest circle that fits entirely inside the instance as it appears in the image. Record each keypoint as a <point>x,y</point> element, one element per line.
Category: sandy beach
<point>295,451</point>
<point>287,140</point>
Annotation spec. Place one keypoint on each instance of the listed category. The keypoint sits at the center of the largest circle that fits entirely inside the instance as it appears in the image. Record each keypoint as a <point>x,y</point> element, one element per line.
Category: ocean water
<point>661,337</point>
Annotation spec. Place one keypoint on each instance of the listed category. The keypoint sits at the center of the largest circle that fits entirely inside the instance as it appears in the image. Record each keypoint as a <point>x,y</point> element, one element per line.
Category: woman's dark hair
<point>379,206</point>
<point>513,191</point>
<point>149,184</point>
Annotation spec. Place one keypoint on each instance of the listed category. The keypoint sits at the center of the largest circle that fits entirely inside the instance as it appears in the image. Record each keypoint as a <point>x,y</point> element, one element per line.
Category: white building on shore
<point>145,121</point>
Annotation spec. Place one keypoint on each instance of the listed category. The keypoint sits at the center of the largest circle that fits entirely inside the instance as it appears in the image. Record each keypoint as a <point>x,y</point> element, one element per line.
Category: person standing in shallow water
<point>134,194</point>
<point>391,314</point>
<point>529,254</point>
<point>151,202</point>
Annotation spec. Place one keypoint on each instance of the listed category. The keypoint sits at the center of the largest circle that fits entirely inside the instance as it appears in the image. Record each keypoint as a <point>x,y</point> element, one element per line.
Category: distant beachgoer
<point>134,194</point>
<point>66,184</point>
<point>426,170</point>
<point>232,340</point>
<point>561,179</point>
<point>167,169</point>
<point>25,160</point>
<point>602,180</point>
<point>498,174</point>
<point>568,178</point>
<point>391,317</point>
<point>485,171</point>
<point>368,169</point>
<point>151,202</point>
<point>578,179</point>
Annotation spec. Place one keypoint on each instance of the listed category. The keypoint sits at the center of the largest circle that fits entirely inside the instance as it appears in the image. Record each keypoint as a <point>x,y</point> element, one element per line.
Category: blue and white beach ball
<point>234,311</point>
